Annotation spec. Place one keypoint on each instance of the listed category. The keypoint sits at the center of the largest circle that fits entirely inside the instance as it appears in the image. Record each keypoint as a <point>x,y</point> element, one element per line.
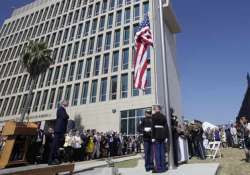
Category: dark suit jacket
<point>61,120</point>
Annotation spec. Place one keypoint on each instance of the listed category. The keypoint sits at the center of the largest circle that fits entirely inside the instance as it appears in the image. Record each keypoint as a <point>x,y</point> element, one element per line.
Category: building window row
<point>67,72</point>
<point>67,19</point>
<point>77,94</point>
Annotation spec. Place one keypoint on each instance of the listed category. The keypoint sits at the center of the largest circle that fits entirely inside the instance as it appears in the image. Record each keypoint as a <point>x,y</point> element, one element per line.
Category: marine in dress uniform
<point>146,130</point>
<point>159,138</point>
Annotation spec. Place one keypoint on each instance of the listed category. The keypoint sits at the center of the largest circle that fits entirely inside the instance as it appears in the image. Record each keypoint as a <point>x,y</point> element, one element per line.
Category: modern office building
<point>93,48</point>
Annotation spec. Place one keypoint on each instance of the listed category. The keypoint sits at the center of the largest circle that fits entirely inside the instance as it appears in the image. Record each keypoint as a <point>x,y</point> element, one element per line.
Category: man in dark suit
<point>60,130</point>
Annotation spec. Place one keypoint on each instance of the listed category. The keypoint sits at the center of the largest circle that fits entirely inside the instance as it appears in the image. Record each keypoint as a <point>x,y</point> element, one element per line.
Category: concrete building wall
<point>102,115</point>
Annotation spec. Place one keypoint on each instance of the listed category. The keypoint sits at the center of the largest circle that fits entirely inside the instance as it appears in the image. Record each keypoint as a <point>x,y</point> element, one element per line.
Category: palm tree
<point>36,59</point>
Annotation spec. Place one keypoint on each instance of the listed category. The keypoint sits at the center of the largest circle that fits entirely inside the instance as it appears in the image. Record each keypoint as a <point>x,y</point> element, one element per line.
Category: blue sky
<point>213,53</point>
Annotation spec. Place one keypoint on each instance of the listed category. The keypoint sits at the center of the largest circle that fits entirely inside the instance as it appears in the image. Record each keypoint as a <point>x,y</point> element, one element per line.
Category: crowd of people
<point>80,145</point>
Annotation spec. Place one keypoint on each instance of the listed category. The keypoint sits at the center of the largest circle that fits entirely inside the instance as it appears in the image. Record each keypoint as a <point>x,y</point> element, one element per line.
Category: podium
<point>16,143</point>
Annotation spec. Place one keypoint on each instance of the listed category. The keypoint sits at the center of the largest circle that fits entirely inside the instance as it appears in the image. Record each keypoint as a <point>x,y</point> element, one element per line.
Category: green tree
<point>36,59</point>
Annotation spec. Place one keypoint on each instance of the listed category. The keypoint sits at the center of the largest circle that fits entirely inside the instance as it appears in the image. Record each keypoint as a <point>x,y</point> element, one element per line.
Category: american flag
<point>143,40</point>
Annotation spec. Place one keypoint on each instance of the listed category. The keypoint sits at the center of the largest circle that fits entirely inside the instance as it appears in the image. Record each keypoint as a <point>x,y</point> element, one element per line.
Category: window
<point>130,120</point>
<point>75,51</point>
<point>17,103</point>
<point>48,81</point>
<point>93,91</point>
<point>126,36</point>
<point>136,12</point>
<point>83,48</point>
<point>71,71</point>
<point>107,41</point>
<point>72,33</point>
<point>90,11</point>
<point>94,26</point>
<point>104,6</point>
<point>87,68</point>
<point>83,11</point>
<point>37,100</point>
<point>67,6</point>
<point>135,29</point>
<point>16,85</point>
<point>59,37</point>
<point>67,93</point>
<point>148,83</point>
<point>61,7</point>
<point>56,9</point>
<point>23,83</point>
<point>135,92</point>
<point>52,41</point>
<point>102,23</point>
<point>118,18</point>
<point>79,3</point>
<point>127,2</point>
<point>112,4</point>
<point>63,21</point>
<point>86,29</point>
<point>44,100</point>
<point>68,52</point>
<point>61,54</point>
<point>125,58</point>
<point>65,36</point>
<point>5,104</point>
<point>113,88</point>
<point>127,15</point>
<point>64,73</point>
<point>117,38</point>
<point>73,3</point>
<point>54,55</point>
<point>50,11</point>
<point>79,31</point>
<point>97,8</point>
<point>84,95</point>
<point>124,86</point>
<point>110,21</point>
<point>57,23</point>
<point>56,76</point>
<point>105,64</point>
<point>75,94</point>
<point>103,89</point>
<point>99,43</point>
<point>145,8</point>
<point>51,98</point>
<point>10,106</point>
<point>59,96</point>
<point>119,4</point>
<point>91,45</point>
<point>115,61</point>
<point>11,86</point>
<point>79,70</point>
<point>96,66</point>
<point>41,81</point>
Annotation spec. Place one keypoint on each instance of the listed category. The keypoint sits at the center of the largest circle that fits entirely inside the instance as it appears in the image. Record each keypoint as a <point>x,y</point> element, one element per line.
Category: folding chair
<point>214,149</point>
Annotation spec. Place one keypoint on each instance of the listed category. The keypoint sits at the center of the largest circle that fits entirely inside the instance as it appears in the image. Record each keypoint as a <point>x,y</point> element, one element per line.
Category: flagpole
<point>166,88</point>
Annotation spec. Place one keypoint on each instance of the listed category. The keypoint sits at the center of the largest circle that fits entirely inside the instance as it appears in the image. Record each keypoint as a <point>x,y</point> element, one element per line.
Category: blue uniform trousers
<point>159,156</point>
<point>148,151</point>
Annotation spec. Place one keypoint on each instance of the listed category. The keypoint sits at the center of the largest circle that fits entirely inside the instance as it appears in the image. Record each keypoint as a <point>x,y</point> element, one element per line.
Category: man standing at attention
<point>146,130</point>
<point>60,130</point>
<point>159,138</point>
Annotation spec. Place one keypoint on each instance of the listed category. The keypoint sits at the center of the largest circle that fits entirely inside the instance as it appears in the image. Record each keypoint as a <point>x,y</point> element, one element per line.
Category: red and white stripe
<point>143,40</point>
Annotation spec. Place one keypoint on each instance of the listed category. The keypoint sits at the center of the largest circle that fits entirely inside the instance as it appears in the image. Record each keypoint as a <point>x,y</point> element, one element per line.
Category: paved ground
<point>186,169</point>
<point>79,166</point>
